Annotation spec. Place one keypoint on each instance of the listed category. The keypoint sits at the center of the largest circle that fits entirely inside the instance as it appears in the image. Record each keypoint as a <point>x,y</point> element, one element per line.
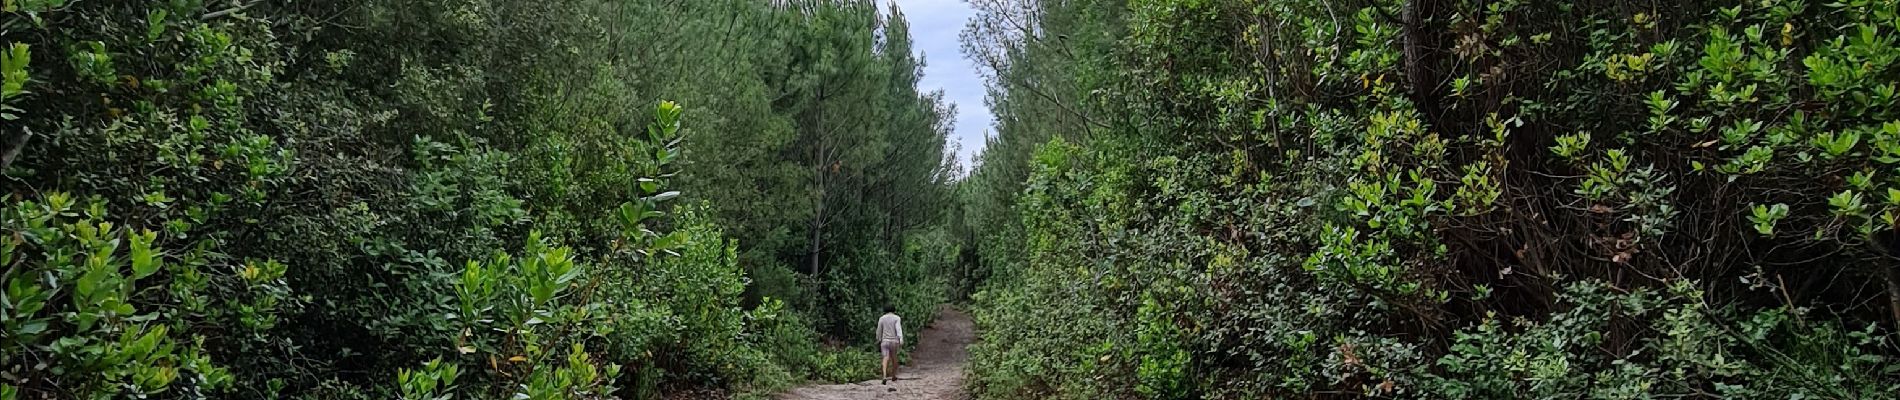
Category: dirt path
<point>935,373</point>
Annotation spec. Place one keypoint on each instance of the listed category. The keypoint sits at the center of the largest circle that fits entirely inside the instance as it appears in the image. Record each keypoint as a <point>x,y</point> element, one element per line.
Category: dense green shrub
<point>522,316</point>
<point>859,289</point>
<point>98,310</point>
<point>1435,199</point>
<point>1689,349</point>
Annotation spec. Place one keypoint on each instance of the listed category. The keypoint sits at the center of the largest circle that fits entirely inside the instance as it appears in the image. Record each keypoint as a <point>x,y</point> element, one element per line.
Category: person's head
<point>890,309</point>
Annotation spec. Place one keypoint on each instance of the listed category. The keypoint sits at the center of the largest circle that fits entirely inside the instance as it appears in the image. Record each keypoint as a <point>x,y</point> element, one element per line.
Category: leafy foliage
<point>1433,199</point>
<point>96,319</point>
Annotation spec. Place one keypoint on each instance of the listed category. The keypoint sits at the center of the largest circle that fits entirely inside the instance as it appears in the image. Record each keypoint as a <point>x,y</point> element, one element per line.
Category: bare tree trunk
<point>821,154</point>
<point>818,214</point>
<point>817,234</point>
<point>1414,48</point>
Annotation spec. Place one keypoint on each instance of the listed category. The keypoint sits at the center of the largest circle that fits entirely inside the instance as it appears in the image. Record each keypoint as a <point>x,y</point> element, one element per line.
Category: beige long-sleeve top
<point>890,328</point>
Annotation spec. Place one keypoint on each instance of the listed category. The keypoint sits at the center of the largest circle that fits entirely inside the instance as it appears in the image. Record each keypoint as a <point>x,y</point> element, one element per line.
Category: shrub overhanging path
<point>935,372</point>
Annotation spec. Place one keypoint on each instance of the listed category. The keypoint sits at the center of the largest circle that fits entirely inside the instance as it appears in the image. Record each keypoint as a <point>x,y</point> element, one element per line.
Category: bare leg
<point>887,367</point>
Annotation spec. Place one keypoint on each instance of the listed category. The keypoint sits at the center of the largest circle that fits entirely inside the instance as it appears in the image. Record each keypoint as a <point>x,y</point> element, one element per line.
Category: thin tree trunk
<point>819,156</point>
<point>1414,48</point>
<point>817,234</point>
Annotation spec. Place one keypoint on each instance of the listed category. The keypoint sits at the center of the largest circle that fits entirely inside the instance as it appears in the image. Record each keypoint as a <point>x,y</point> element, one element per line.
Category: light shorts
<point>889,347</point>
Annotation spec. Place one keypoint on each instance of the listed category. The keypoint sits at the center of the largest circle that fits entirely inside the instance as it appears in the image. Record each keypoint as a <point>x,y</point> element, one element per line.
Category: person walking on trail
<point>890,338</point>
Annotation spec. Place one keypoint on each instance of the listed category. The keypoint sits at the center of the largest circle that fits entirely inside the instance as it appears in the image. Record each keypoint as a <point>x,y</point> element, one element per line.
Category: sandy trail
<point>935,373</point>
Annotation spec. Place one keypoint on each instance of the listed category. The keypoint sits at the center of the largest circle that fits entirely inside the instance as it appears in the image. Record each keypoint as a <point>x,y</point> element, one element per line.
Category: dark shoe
<point>885,381</point>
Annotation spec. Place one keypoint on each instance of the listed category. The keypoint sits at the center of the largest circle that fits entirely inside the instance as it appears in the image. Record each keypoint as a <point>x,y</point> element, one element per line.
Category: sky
<point>935,26</point>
